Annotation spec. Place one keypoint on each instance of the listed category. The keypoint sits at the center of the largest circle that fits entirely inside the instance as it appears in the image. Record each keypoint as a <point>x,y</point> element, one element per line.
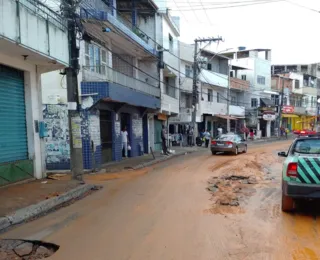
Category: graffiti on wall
<point>57,141</point>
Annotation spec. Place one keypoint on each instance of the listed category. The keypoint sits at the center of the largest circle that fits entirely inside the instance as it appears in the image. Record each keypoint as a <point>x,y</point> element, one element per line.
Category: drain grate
<point>14,249</point>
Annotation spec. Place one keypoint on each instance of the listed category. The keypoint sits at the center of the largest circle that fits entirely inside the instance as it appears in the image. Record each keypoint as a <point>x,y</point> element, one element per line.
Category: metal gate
<point>14,163</point>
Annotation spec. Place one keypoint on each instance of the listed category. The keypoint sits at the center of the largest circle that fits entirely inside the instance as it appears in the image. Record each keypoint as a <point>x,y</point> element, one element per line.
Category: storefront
<point>15,164</point>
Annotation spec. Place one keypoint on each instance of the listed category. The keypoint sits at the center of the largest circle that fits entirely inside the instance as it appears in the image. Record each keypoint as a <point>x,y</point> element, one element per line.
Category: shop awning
<point>289,116</point>
<point>226,117</point>
<point>266,102</point>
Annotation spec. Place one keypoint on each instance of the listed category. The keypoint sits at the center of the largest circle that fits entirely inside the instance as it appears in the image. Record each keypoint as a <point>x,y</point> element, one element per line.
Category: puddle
<point>14,249</point>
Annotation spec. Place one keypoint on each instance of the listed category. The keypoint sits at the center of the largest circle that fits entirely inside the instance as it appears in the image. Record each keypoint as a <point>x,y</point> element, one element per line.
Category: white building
<point>33,40</point>
<point>258,100</point>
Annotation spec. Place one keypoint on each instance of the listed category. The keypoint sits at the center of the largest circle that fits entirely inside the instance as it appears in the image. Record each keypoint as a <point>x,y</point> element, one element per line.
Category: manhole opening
<point>14,249</point>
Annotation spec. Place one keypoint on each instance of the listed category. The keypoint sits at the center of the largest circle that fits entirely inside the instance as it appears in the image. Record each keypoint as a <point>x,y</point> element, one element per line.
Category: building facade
<point>255,67</point>
<point>33,41</point>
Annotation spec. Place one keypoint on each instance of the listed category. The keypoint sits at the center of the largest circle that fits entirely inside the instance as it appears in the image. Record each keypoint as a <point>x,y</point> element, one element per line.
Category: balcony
<point>186,84</point>
<point>213,108</point>
<point>105,73</point>
<point>185,116</point>
<point>309,91</point>
<point>239,84</point>
<point>29,28</point>
<point>213,78</point>
<point>169,105</point>
<point>237,111</point>
<point>121,29</point>
<point>300,110</point>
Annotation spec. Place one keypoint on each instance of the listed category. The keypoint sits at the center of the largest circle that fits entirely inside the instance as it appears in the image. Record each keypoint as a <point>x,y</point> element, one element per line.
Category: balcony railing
<point>239,84</point>
<point>104,13</point>
<point>105,73</point>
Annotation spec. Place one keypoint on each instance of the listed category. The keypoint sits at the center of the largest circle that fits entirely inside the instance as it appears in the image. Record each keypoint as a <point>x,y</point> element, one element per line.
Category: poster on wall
<point>76,132</point>
<point>95,129</point>
<point>137,127</point>
<point>117,128</point>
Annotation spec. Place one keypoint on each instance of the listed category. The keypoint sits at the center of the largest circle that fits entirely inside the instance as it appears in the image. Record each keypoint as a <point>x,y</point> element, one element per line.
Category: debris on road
<point>56,176</point>
<point>231,182</point>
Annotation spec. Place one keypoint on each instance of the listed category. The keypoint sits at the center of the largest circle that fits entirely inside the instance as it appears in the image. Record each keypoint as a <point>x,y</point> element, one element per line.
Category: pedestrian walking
<point>251,134</point>
<point>164,140</point>
<point>124,141</point>
<point>207,137</point>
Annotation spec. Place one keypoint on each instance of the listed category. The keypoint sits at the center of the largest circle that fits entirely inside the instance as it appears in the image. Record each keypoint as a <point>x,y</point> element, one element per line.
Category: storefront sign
<point>162,117</point>
<point>288,109</point>
<point>269,117</point>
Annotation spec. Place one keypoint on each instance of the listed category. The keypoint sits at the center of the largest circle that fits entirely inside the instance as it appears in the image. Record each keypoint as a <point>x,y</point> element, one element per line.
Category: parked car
<point>304,132</point>
<point>301,171</point>
<point>233,143</point>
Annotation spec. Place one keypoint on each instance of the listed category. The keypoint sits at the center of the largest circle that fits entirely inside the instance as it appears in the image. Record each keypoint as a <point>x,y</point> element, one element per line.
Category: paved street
<point>167,212</point>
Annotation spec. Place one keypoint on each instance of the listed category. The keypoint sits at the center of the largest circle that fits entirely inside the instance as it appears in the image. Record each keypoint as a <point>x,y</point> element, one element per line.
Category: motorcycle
<point>200,141</point>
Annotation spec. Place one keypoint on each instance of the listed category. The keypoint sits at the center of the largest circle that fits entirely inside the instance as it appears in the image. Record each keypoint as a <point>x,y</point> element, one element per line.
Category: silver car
<point>229,143</point>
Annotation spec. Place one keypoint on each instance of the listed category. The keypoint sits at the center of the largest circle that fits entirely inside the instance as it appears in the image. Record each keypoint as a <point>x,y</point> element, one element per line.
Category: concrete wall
<point>21,22</point>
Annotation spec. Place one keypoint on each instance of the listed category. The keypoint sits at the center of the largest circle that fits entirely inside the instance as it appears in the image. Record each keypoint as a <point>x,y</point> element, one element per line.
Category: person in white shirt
<point>124,140</point>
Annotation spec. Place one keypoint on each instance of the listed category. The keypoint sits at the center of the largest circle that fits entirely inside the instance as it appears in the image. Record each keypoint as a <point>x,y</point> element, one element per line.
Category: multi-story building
<point>216,76</point>
<point>304,94</point>
<point>33,40</point>
<point>129,77</point>
<point>256,65</point>
<point>119,82</point>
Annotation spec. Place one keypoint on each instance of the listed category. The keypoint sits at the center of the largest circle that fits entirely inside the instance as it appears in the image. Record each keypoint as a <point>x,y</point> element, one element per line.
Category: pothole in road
<point>236,181</point>
<point>16,249</point>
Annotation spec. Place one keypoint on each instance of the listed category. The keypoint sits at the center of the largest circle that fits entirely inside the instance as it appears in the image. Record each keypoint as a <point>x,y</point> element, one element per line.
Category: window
<point>231,74</point>
<point>218,97</point>
<point>209,66</point>
<point>244,77</point>
<point>233,100</point>
<point>254,102</point>
<point>210,95</point>
<point>188,71</point>
<point>297,84</point>
<point>261,80</point>
<point>96,58</point>
<point>170,43</point>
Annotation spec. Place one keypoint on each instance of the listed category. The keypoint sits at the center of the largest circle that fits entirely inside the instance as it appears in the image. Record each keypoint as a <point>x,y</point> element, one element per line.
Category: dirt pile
<point>235,180</point>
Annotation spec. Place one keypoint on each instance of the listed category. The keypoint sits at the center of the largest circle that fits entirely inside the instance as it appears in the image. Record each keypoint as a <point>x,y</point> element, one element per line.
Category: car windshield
<point>307,146</point>
<point>226,138</point>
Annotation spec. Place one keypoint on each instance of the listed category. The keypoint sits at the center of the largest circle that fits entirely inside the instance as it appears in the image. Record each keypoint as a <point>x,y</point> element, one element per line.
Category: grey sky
<point>290,31</point>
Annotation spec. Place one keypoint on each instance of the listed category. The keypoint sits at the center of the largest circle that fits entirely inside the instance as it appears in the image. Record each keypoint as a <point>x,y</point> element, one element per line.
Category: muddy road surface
<point>196,206</point>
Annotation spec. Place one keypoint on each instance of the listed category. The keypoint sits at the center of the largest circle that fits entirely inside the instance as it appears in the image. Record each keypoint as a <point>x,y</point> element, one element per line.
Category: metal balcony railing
<point>105,73</point>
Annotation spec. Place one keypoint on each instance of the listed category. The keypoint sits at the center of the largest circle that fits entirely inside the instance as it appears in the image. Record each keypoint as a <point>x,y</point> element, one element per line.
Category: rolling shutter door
<point>13,130</point>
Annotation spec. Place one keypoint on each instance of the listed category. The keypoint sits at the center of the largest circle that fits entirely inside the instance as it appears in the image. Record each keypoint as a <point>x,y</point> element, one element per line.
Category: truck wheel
<point>213,153</point>
<point>287,204</point>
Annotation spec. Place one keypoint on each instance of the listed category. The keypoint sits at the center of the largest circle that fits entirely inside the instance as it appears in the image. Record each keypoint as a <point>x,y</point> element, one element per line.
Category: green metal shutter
<point>13,130</point>
<point>157,135</point>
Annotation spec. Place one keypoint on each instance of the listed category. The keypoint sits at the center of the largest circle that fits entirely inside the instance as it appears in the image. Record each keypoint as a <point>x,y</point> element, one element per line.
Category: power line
<point>302,6</point>
<point>229,6</point>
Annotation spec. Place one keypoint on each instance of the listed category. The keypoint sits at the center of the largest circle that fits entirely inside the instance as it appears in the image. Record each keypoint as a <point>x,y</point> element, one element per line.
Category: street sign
<point>288,109</point>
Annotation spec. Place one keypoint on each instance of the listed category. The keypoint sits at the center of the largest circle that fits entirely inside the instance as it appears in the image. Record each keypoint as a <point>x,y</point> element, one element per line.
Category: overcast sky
<point>292,32</point>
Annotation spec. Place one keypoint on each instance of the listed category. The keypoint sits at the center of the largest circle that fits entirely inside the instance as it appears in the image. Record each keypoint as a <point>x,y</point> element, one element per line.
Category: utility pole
<point>74,118</point>
<point>228,99</point>
<point>195,98</point>
<point>280,107</point>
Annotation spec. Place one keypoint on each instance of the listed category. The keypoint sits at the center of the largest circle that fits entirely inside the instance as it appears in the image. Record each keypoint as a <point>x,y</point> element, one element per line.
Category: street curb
<point>162,159</point>
<point>24,214</point>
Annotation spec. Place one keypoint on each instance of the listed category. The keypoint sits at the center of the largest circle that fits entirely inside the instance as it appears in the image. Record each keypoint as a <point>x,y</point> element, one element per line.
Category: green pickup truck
<point>301,171</point>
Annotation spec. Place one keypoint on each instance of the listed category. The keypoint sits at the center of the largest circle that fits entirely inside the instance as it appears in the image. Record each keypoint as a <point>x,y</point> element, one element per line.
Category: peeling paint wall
<point>57,149</point>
